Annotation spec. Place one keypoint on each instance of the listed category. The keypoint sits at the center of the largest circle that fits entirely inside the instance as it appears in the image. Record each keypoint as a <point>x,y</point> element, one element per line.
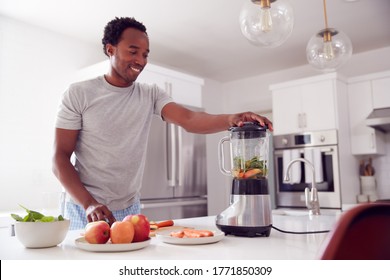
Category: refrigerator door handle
<point>180,156</point>
<point>171,155</point>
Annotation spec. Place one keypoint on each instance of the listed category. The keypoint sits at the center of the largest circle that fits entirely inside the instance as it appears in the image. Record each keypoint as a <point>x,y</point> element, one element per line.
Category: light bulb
<point>266,23</point>
<point>328,49</point>
<point>265,19</point>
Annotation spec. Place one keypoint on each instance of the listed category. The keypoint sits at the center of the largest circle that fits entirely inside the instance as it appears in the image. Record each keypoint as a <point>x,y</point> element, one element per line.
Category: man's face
<point>128,57</point>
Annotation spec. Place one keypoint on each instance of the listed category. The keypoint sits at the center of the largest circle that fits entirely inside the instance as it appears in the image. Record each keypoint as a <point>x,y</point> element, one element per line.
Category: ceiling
<point>203,37</point>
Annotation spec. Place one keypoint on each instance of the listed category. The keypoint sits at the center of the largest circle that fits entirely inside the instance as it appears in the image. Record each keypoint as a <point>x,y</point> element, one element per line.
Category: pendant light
<point>329,48</point>
<point>266,23</point>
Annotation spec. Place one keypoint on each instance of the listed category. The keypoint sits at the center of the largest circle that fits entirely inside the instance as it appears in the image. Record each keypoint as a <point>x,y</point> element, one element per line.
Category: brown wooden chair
<point>361,233</point>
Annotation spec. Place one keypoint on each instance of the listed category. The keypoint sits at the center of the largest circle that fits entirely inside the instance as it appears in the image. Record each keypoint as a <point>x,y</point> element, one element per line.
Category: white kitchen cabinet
<point>310,104</point>
<point>363,92</point>
<point>381,92</point>
<point>185,89</point>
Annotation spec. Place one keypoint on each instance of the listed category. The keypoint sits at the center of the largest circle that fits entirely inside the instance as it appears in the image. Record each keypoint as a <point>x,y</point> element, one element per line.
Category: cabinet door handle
<point>180,156</point>
<point>171,154</point>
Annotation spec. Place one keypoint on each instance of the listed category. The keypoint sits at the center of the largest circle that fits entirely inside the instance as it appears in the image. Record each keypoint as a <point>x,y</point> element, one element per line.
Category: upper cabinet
<point>310,104</point>
<point>366,93</point>
<point>381,91</point>
<point>185,89</point>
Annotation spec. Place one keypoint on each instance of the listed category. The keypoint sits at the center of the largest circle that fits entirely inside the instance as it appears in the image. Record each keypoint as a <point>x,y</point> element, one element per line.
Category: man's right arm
<point>64,144</point>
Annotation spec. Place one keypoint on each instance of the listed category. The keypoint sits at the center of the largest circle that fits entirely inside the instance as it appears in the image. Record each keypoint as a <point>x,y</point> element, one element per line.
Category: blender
<point>249,212</point>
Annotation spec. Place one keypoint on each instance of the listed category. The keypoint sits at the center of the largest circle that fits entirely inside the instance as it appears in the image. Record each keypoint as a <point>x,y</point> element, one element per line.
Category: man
<point>105,122</point>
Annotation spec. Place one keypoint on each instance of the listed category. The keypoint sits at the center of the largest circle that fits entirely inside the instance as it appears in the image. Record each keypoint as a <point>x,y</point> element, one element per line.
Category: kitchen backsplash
<point>382,171</point>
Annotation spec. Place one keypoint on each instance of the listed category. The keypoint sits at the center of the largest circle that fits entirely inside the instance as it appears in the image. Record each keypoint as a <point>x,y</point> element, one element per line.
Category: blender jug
<point>249,213</point>
<point>249,152</point>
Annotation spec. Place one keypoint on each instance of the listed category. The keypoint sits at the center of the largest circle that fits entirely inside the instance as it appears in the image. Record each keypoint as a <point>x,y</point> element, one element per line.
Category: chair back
<point>361,233</point>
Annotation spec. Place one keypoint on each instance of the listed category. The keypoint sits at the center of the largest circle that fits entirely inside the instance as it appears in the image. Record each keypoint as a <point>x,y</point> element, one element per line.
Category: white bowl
<point>41,234</point>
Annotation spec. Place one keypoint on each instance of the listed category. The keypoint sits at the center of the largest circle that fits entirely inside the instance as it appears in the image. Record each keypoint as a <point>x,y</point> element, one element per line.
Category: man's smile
<point>136,69</point>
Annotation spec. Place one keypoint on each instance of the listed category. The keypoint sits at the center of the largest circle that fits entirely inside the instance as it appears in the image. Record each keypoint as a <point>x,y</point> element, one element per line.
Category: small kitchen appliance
<point>249,213</point>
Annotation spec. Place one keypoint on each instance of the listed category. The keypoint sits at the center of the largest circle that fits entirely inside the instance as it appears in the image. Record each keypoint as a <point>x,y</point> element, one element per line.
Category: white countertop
<point>278,246</point>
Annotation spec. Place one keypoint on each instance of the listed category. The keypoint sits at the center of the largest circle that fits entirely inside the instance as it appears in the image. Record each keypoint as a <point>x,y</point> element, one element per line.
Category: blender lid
<point>249,126</point>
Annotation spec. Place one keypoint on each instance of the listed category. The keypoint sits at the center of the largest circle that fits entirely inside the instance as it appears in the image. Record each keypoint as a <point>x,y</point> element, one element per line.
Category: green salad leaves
<point>34,216</point>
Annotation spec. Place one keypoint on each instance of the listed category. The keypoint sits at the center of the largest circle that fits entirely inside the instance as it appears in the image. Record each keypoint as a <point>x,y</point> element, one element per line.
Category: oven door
<point>293,195</point>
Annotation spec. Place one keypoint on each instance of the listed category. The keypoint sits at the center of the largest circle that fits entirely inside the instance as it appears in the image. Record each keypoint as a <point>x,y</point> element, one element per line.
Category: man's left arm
<point>201,122</point>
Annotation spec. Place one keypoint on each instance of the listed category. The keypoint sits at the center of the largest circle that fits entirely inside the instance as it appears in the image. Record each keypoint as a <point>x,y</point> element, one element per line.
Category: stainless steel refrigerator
<point>175,182</point>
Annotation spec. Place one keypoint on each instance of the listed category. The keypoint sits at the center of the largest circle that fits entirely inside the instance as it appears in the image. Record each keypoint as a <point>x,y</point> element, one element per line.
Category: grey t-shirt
<point>114,125</point>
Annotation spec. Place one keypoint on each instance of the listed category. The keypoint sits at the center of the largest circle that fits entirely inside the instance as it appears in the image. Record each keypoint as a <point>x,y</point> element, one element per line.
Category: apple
<point>97,232</point>
<point>122,232</point>
<point>141,226</point>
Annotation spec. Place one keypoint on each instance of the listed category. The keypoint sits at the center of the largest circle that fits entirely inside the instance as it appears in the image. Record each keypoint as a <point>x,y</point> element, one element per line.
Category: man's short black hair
<point>115,28</point>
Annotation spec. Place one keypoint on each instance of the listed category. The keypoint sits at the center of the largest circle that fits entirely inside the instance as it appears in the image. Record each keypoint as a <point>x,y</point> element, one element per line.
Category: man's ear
<point>109,49</point>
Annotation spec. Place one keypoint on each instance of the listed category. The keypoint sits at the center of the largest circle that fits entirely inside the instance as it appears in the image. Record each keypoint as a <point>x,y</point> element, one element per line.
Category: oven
<point>326,164</point>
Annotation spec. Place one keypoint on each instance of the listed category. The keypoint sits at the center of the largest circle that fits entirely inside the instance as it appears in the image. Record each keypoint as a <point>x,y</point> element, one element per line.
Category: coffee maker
<point>249,213</point>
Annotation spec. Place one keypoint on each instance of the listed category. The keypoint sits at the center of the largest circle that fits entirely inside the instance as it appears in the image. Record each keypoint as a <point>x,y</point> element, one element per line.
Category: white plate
<point>164,236</point>
<point>109,247</point>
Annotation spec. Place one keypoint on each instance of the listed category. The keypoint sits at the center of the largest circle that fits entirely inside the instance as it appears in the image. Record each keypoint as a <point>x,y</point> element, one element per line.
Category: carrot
<point>191,233</point>
<point>252,172</point>
<point>178,234</point>
<point>167,223</point>
<point>206,233</point>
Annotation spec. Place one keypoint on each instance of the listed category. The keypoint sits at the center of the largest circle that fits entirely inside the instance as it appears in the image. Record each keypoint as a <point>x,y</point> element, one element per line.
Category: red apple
<point>97,232</point>
<point>141,226</point>
<point>122,232</point>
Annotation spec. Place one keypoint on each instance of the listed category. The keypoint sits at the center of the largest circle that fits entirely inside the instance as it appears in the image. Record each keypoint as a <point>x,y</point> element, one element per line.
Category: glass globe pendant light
<point>266,23</point>
<point>329,48</point>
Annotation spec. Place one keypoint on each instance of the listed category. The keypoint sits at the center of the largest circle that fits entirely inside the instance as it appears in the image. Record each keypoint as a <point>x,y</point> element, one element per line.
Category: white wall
<point>35,68</point>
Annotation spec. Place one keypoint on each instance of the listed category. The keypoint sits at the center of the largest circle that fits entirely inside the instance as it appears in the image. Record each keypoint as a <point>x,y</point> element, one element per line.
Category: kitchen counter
<point>278,246</point>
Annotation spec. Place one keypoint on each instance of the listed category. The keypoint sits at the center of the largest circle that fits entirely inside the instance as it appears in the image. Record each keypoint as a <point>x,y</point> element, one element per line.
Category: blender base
<point>264,231</point>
